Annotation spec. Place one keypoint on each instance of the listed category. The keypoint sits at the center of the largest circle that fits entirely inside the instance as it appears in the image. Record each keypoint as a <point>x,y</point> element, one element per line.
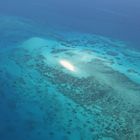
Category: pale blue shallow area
<point>97,97</point>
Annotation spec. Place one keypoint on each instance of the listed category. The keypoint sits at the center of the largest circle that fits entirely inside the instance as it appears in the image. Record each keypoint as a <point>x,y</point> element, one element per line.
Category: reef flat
<point>94,95</point>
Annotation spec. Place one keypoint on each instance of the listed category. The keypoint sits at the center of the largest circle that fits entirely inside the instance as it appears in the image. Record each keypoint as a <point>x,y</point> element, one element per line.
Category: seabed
<point>58,85</point>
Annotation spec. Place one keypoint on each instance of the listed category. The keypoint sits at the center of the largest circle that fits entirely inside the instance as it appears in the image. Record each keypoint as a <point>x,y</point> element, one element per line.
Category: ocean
<point>69,70</point>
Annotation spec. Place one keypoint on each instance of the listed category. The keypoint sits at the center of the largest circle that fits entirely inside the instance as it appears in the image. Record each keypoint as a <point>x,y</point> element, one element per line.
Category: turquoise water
<point>59,84</point>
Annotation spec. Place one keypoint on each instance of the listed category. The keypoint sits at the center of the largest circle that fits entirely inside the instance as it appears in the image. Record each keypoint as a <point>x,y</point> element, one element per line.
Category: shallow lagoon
<point>40,99</point>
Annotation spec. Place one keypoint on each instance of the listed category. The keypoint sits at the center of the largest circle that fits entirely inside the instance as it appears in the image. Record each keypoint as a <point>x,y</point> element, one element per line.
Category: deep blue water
<point>69,70</point>
<point>118,19</point>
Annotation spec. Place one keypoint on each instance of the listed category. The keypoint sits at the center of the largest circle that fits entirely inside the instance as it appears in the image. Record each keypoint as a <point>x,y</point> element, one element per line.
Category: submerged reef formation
<point>113,104</point>
<point>42,99</point>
